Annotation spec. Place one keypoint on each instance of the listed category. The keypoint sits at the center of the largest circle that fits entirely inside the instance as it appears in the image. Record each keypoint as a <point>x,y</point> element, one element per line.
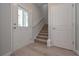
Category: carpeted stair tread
<point>41,41</point>
<point>42,37</point>
<point>43,33</point>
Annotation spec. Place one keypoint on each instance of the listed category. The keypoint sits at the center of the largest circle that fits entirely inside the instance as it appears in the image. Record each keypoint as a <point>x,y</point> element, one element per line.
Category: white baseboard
<point>7,54</point>
<point>48,43</point>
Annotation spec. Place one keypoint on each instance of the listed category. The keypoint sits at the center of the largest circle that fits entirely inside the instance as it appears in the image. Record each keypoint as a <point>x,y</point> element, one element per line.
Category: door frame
<point>74,26</point>
<point>49,41</point>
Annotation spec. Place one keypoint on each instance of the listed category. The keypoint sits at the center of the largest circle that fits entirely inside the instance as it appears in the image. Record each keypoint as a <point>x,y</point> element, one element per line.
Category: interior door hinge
<point>72,5</point>
<point>73,42</point>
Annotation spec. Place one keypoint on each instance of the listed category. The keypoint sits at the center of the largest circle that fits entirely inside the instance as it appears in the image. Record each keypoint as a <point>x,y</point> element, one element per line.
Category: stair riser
<point>40,42</point>
<point>43,34</point>
<point>42,37</point>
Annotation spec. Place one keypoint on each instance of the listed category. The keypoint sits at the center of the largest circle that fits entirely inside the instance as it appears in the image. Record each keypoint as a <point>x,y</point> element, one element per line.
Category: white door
<point>62,29</point>
<point>21,26</point>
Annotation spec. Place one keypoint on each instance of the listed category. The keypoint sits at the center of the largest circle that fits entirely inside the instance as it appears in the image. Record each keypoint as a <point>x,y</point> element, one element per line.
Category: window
<point>22,17</point>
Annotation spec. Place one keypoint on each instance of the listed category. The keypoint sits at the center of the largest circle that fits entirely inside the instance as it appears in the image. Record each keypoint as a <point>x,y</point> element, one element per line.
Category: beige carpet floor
<point>36,49</point>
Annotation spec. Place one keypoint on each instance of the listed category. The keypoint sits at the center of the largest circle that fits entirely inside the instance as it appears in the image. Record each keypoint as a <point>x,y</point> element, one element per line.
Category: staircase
<point>42,37</point>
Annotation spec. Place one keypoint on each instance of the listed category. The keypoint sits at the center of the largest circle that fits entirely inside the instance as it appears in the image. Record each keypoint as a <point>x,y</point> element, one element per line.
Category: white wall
<point>45,12</point>
<point>36,15</point>
<point>37,20</point>
<point>5,29</point>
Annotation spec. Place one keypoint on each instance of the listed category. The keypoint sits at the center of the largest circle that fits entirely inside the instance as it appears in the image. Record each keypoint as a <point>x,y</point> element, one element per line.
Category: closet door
<point>62,25</point>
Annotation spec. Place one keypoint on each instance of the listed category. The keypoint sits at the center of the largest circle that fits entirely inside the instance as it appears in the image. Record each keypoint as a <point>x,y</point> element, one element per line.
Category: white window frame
<point>23,24</point>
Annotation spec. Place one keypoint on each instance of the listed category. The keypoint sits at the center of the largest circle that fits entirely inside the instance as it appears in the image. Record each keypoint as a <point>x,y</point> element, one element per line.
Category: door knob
<point>14,24</point>
<point>14,27</point>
